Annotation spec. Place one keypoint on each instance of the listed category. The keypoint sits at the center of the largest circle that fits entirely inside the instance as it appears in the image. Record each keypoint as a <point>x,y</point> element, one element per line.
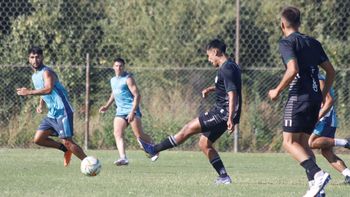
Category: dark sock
<point>310,167</point>
<point>170,142</point>
<point>219,166</point>
<point>309,177</point>
<point>63,148</point>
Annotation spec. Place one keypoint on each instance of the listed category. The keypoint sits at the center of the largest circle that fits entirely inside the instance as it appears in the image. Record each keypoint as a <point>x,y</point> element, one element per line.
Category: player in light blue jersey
<point>127,99</point>
<point>59,120</point>
<point>324,132</point>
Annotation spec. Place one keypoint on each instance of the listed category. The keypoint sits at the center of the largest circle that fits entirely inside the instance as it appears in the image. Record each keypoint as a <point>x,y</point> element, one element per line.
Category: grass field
<point>40,172</point>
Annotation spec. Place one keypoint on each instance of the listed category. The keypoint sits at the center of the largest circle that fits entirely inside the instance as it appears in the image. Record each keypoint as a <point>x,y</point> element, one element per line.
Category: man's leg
<point>119,125</point>
<point>337,163</point>
<point>42,138</point>
<point>334,160</point>
<point>207,147</point>
<point>136,126</point>
<point>74,148</point>
<point>292,144</point>
<point>187,131</point>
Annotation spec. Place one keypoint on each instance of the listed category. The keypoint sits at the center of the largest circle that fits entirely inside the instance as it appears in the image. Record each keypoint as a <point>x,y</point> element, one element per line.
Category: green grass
<point>40,172</point>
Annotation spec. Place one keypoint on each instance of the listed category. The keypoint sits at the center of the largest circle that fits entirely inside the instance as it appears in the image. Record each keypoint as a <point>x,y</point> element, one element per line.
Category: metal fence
<point>163,44</point>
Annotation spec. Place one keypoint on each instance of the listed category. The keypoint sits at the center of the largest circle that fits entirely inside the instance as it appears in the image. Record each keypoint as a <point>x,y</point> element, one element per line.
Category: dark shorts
<point>61,127</point>
<point>300,116</point>
<point>125,117</point>
<point>213,123</point>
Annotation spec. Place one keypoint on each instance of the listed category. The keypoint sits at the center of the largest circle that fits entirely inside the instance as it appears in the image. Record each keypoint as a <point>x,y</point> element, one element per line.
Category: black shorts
<point>213,123</point>
<point>300,116</point>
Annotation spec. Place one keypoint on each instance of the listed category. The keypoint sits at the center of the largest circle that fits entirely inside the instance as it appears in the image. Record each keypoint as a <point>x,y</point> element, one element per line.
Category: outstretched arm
<point>49,81</point>
<point>105,107</point>
<point>289,75</point>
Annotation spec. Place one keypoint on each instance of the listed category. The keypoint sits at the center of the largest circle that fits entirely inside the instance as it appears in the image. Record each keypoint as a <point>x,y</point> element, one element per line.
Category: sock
<point>169,142</point>
<point>123,157</point>
<point>219,166</point>
<point>63,148</point>
<point>309,177</point>
<point>310,167</point>
<point>340,142</point>
<point>346,172</point>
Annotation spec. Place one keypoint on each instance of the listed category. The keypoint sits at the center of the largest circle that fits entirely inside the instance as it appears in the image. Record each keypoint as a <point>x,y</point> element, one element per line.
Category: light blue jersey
<point>57,101</point>
<point>122,95</point>
<point>328,123</point>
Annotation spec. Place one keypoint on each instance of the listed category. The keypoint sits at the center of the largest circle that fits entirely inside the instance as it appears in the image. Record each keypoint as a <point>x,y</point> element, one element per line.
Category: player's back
<point>309,54</point>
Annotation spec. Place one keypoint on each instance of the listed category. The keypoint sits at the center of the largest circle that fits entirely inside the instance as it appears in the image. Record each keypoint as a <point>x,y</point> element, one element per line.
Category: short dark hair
<point>120,60</point>
<point>35,50</point>
<point>217,44</point>
<point>291,15</point>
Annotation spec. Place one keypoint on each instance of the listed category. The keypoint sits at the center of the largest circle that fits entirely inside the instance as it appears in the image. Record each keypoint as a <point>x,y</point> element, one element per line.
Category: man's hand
<point>273,94</point>
<point>131,116</point>
<point>205,92</point>
<point>103,109</point>
<point>23,91</point>
<point>39,109</point>
<point>230,126</point>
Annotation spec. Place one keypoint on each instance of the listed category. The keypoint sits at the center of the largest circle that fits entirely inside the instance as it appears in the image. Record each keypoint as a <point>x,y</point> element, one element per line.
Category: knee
<point>36,140</point>
<point>67,143</point>
<point>118,134</point>
<point>286,143</point>
<point>203,145</point>
<point>312,145</point>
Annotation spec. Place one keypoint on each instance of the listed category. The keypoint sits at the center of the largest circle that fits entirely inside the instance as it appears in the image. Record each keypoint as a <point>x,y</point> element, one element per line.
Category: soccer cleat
<point>321,180</point>
<point>121,162</point>
<point>321,194</point>
<point>347,180</point>
<point>67,158</point>
<point>149,149</point>
<point>225,180</point>
<point>155,157</point>
<point>347,145</point>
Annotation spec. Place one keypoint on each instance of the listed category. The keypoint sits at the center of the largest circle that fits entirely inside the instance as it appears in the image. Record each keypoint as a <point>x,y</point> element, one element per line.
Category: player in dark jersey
<point>223,116</point>
<point>302,55</point>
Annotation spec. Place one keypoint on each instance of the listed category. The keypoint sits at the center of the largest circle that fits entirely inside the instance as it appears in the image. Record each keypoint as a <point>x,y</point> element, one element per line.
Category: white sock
<point>346,172</point>
<point>340,142</point>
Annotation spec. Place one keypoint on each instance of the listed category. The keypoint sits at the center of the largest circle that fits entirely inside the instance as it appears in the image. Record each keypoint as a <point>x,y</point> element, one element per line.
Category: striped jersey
<point>308,52</point>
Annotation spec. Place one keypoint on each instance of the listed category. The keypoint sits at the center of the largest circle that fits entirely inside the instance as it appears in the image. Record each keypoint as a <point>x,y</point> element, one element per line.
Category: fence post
<point>236,129</point>
<point>87,102</point>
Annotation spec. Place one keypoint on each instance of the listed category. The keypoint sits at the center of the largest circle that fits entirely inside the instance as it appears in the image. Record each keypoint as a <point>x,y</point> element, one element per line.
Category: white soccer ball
<point>90,166</point>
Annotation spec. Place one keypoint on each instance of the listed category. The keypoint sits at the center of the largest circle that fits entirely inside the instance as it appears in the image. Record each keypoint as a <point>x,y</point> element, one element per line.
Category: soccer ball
<point>90,166</point>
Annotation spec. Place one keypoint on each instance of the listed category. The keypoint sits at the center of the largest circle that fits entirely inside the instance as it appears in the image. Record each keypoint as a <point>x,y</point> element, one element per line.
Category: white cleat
<point>226,180</point>
<point>121,162</point>
<point>321,180</point>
